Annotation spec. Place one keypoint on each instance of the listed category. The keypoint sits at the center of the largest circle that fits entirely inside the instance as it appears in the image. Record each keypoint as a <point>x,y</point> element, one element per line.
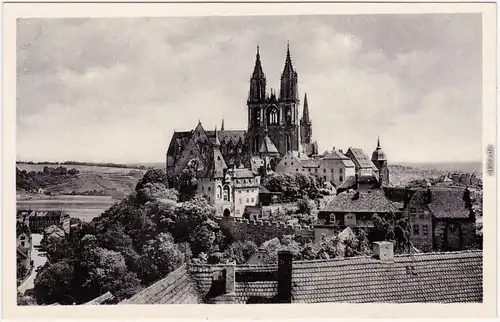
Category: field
<point>83,207</point>
<point>115,182</point>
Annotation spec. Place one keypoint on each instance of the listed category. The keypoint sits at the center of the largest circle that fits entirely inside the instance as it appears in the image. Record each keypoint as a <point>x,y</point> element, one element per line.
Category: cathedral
<point>274,127</point>
<point>274,135</point>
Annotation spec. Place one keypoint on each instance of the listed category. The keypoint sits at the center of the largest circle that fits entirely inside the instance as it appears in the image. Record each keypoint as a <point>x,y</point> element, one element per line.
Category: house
<point>39,220</point>
<point>245,188</point>
<point>335,167</point>
<point>363,165</point>
<point>442,219</point>
<point>40,191</point>
<point>356,209</point>
<point>382,278</point>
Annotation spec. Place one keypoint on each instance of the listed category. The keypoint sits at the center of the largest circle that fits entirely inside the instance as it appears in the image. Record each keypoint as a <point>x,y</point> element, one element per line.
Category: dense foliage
<point>32,180</point>
<point>295,186</point>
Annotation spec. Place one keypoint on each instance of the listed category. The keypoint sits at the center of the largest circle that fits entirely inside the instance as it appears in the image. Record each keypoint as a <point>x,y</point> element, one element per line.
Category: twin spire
<point>288,70</point>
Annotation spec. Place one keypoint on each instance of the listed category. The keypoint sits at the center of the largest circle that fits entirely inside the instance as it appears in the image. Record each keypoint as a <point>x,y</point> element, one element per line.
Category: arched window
<point>219,192</point>
<point>227,193</point>
<point>272,116</point>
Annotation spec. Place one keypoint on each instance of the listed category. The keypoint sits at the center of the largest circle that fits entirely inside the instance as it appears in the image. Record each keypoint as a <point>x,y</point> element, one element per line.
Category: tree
<point>187,183</point>
<point>304,206</point>
<point>104,270</point>
<point>152,176</point>
<point>53,283</point>
<point>203,240</point>
<point>160,256</point>
<point>241,251</point>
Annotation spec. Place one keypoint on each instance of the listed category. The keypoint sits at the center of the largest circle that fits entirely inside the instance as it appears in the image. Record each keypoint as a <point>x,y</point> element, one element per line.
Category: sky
<point>115,89</point>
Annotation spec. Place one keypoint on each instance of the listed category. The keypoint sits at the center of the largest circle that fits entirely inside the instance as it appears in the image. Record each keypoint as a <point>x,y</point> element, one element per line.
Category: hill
<point>110,181</point>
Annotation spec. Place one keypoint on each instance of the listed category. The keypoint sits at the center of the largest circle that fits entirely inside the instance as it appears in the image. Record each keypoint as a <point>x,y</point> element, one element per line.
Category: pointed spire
<point>222,125</point>
<point>257,70</point>
<point>378,142</point>
<point>288,70</point>
<point>305,113</point>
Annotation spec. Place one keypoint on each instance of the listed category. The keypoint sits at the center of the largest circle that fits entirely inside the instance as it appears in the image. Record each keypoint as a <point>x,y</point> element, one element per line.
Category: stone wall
<point>260,231</point>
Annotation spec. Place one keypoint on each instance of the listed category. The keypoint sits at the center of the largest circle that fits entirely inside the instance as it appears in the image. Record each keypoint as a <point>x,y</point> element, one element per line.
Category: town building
<point>409,278</point>
<point>39,220</point>
<point>363,165</point>
<point>356,208</point>
<point>442,219</point>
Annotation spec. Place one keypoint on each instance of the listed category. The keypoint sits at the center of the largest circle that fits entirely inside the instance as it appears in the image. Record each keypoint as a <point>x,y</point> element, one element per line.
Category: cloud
<point>116,89</point>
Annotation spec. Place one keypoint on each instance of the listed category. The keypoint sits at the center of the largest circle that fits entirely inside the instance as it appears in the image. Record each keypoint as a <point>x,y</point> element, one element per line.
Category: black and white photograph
<point>250,159</point>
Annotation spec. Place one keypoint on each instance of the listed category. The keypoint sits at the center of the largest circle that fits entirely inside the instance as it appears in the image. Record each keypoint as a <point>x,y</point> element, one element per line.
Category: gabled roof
<point>366,201</point>
<point>215,164</point>
<point>310,163</point>
<point>427,277</point>
<point>360,158</point>
<point>176,288</point>
<point>445,203</point>
<point>181,138</point>
<point>267,146</point>
<point>242,173</point>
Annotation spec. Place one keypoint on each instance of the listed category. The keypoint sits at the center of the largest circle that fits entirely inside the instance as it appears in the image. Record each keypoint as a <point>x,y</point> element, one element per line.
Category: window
<point>291,163</point>
<point>332,170</point>
<point>341,178</point>
<point>191,152</point>
<point>341,170</point>
<point>425,230</point>
<point>202,188</point>
<point>309,169</point>
<point>316,170</point>
<point>208,188</point>
<point>324,178</point>
<point>415,230</point>
<point>240,201</point>
<point>297,170</point>
<point>248,191</point>
<point>332,218</point>
<point>253,200</point>
<point>421,215</point>
<point>248,200</point>
<point>227,191</point>
<point>285,163</point>
<point>219,192</point>
<point>324,170</point>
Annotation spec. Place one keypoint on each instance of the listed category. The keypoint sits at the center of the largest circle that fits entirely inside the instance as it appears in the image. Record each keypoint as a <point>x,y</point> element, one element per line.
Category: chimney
<point>230,277</point>
<point>384,251</point>
<point>356,184</point>
<point>285,276</point>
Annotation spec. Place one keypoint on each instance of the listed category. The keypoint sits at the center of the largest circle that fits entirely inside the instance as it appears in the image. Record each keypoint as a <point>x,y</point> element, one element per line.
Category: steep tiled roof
<point>445,203</point>
<point>229,136</point>
<point>180,138</point>
<point>349,182</point>
<point>215,164</point>
<point>267,146</point>
<point>368,201</point>
<point>242,173</point>
<point>310,163</point>
<point>427,277</point>
<point>177,288</point>
<point>249,282</point>
<point>361,158</point>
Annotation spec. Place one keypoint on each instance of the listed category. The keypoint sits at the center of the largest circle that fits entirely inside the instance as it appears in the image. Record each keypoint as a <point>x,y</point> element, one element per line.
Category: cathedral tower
<point>305,124</point>
<point>380,160</point>
<point>277,113</point>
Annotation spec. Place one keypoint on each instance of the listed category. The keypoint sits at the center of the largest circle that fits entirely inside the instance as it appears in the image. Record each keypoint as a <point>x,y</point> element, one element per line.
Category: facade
<point>246,190</point>
<point>39,220</point>
<point>356,209</point>
<point>441,219</point>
